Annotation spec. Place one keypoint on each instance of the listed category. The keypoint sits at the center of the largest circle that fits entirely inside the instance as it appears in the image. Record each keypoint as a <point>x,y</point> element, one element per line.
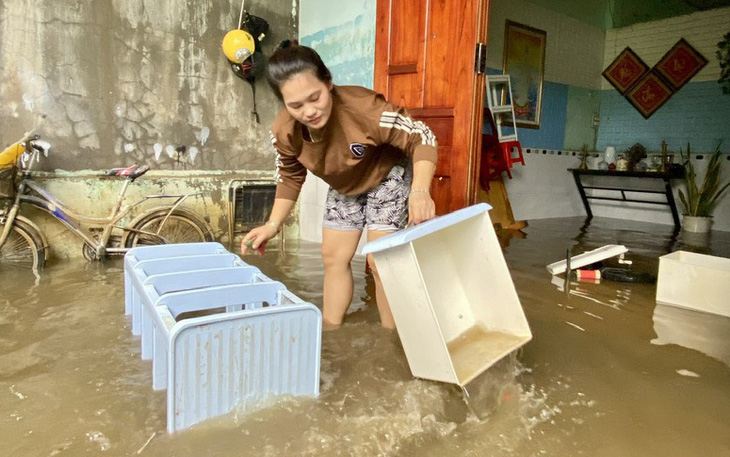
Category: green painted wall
<point>628,12</point>
<point>608,14</point>
<point>583,104</point>
<point>593,12</point>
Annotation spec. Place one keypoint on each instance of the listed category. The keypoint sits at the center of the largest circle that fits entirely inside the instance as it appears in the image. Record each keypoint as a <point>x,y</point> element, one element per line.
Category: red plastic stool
<point>507,147</point>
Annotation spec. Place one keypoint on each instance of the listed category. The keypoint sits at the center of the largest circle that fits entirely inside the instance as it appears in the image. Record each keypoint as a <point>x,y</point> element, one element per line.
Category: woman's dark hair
<point>290,59</point>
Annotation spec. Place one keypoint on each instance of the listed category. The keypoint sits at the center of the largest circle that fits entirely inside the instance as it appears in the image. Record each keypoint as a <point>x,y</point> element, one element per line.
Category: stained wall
<point>138,81</point>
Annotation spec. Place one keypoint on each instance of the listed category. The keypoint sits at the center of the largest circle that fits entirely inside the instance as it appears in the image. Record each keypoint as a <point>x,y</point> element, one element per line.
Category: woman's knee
<point>336,257</point>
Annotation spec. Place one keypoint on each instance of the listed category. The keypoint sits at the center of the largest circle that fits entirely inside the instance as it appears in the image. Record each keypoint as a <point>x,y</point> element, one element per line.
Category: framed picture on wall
<point>625,70</point>
<point>649,94</point>
<point>524,61</point>
<point>680,64</point>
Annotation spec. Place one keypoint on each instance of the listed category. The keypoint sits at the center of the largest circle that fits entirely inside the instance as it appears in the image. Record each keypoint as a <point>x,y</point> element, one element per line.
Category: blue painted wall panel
<point>347,50</point>
<point>551,134</point>
<point>698,114</point>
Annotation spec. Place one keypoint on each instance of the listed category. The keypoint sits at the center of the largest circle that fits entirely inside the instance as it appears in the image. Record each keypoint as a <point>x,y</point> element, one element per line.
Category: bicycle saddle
<point>42,146</point>
<point>132,172</point>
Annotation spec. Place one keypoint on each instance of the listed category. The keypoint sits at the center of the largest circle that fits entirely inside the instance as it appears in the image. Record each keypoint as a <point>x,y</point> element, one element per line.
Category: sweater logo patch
<point>357,149</point>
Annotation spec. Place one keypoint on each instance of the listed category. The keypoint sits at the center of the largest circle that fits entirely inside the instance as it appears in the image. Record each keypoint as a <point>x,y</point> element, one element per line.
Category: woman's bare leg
<point>386,316</point>
<point>338,249</point>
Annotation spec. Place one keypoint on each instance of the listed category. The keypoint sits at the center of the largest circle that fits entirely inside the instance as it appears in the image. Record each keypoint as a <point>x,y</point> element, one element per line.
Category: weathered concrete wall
<point>116,77</point>
<point>128,81</point>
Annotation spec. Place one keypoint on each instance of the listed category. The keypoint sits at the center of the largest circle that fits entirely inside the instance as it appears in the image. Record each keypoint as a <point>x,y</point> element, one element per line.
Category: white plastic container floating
<point>255,340</point>
<point>695,281</point>
<point>451,294</point>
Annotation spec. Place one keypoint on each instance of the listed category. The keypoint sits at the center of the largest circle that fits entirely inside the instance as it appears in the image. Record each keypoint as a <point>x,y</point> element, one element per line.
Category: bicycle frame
<point>44,200</point>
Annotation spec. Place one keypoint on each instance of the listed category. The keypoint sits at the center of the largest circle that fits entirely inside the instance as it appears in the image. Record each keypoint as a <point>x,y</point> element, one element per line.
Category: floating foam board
<point>587,258</point>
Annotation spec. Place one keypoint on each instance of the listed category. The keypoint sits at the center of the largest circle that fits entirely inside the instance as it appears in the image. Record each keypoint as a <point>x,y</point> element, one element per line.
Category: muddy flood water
<point>608,372</point>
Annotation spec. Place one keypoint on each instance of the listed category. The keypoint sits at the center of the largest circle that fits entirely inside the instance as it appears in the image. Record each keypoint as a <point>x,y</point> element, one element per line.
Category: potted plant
<point>723,55</point>
<point>700,199</point>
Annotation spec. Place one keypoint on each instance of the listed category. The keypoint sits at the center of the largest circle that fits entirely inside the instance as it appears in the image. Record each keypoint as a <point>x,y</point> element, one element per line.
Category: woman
<point>363,147</point>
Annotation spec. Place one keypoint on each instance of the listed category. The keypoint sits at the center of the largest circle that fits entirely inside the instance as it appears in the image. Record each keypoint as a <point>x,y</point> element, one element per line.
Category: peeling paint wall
<point>131,81</point>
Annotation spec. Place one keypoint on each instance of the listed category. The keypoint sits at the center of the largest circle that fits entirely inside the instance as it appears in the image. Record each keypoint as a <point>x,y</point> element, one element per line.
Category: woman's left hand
<point>420,207</point>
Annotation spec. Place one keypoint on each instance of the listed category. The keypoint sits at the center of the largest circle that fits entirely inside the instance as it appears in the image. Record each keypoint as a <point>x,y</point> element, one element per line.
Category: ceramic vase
<point>610,155</point>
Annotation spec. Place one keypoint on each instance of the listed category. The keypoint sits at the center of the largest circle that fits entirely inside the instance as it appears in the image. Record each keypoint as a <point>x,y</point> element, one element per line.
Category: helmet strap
<point>254,113</point>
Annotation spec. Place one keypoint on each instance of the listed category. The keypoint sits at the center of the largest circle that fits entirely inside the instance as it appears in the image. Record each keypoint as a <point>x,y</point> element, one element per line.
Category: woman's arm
<point>417,140</point>
<point>420,204</point>
<point>289,177</point>
<point>257,238</point>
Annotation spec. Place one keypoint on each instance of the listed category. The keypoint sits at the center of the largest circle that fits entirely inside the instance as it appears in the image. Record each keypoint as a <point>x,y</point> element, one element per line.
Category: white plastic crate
<point>155,286</point>
<point>451,294</point>
<point>695,281</point>
<point>136,255</point>
<point>266,343</point>
<point>153,267</point>
<point>213,364</point>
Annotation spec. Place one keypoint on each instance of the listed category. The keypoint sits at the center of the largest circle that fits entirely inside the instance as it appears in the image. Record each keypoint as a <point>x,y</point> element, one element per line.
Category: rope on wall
<point>240,16</point>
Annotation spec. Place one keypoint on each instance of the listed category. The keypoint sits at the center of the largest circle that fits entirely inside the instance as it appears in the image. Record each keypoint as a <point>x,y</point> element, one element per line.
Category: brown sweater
<point>364,138</point>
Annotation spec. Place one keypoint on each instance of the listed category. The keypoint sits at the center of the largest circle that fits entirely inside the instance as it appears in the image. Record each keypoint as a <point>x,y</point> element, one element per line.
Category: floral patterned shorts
<point>383,208</point>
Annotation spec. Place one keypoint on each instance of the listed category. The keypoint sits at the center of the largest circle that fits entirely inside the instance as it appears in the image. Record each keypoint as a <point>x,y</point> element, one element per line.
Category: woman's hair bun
<point>287,43</point>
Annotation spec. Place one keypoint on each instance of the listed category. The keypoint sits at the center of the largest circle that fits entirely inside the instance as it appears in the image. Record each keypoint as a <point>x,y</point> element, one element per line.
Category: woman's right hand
<point>257,238</point>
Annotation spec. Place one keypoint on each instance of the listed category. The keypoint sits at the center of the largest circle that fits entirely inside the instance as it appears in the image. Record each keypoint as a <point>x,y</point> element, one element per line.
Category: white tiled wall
<point>544,189</point>
<point>573,52</point>
<point>651,40</point>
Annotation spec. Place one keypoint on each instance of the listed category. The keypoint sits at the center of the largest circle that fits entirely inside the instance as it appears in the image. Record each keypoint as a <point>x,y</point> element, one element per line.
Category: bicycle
<point>23,244</point>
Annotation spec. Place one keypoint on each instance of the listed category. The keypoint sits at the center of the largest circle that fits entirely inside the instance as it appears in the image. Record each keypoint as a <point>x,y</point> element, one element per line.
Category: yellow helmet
<point>238,45</point>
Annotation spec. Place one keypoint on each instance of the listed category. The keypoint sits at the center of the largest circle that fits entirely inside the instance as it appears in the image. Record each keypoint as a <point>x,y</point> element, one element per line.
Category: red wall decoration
<point>649,94</point>
<point>625,70</point>
<point>680,64</point>
<point>647,90</point>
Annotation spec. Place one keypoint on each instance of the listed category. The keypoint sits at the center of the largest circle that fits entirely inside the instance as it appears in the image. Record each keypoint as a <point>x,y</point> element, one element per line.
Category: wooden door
<point>425,61</point>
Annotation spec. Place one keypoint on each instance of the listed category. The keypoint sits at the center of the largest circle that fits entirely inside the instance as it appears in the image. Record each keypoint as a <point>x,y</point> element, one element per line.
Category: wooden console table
<point>622,189</point>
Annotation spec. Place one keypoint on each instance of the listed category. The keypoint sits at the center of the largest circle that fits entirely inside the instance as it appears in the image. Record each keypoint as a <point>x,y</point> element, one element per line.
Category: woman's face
<point>308,99</point>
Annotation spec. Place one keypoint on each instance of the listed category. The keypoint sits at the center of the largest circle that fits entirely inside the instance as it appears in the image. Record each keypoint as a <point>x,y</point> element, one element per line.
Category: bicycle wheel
<point>181,226</point>
<point>23,249</point>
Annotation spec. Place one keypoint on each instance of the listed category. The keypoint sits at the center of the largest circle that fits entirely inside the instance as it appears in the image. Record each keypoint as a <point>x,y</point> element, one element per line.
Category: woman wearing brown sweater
<point>377,160</point>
